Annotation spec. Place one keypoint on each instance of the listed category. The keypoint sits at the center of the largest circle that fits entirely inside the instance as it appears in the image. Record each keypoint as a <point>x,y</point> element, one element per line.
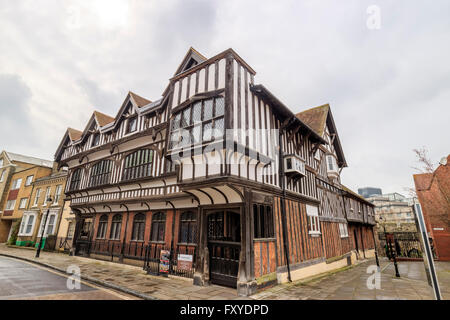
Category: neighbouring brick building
<point>17,174</point>
<point>32,224</point>
<point>433,192</point>
<point>220,170</point>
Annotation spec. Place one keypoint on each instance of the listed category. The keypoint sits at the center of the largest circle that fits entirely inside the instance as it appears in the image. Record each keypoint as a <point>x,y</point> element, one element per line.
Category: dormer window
<point>95,139</point>
<point>131,125</point>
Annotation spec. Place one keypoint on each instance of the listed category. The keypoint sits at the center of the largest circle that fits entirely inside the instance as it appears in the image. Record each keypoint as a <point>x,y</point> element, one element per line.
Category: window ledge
<point>186,244</point>
<point>264,239</point>
<point>314,233</point>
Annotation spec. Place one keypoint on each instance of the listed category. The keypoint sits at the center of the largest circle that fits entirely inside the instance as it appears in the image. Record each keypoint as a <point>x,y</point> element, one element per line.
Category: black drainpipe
<point>283,199</point>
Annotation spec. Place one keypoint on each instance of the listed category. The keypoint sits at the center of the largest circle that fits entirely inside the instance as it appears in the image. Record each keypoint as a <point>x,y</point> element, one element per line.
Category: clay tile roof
<point>422,181</point>
<point>74,134</point>
<point>102,118</point>
<point>139,100</point>
<point>315,118</point>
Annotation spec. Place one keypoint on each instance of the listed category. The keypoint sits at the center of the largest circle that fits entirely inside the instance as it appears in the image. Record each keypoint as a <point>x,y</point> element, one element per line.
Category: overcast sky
<point>389,88</point>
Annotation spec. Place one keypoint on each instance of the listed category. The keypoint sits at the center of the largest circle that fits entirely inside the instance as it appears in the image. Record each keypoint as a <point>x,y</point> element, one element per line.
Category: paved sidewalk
<point>131,278</point>
<point>351,284</point>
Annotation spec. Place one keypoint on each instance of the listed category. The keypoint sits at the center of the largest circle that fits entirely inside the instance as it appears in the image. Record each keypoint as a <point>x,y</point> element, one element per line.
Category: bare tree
<point>426,165</point>
<point>411,192</point>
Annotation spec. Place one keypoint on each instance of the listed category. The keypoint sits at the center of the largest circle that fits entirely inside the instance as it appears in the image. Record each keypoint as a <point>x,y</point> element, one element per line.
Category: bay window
<point>100,173</point>
<point>202,121</point>
<point>138,164</point>
<point>76,180</point>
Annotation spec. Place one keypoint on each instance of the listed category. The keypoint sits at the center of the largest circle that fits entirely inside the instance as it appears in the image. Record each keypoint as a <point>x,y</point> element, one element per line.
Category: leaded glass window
<point>138,164</point>
<point>188,227</point>
<point>100,173</point>
<point>200,122</point>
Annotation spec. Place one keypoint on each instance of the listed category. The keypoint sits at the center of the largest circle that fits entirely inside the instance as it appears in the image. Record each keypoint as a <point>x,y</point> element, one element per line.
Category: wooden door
<point>224,244</point>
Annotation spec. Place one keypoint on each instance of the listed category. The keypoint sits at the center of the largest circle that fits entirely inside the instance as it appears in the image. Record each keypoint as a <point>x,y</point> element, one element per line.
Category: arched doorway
<point>224,245</point>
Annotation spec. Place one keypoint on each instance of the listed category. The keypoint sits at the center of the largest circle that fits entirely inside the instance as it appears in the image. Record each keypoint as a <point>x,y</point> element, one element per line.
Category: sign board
<point>428,260</point>
<point>164,261</point>
<point>184,262</point>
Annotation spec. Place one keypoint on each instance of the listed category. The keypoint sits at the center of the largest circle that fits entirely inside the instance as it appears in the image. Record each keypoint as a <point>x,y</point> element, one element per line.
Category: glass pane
<point>197,112</point>
<point>220,107</point>
<point>208,109</point>
<point>176,121</point>
<point>196,134</point>
<point>207,131</point>
<point>174,139</point>
<point>186,120</point>
<point>218,128</point>
<point>185,138</point>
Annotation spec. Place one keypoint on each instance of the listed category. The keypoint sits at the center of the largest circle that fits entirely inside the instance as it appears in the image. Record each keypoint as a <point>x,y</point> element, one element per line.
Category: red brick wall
<point>433,191</point>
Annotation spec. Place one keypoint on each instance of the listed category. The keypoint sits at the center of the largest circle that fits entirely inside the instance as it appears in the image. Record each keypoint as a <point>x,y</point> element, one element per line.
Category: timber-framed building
<point>220,169</point>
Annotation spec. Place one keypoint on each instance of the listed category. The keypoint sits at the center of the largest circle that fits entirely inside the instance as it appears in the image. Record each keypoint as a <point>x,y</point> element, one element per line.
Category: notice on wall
<point>164,262</point>
<point>184,262</point>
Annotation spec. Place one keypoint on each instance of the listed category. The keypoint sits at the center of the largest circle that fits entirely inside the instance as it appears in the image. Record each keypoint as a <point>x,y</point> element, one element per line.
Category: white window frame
<point>312,213</point>
<point>51,213</point>
<point>20,203</point>
<point>26,180</point>
<point>47,194</point>
<point>2,177</point>
<point>57,194</point>
<point>36,197</point>
<point>343,230</point>
<point>7,207</point>
<point>333,164</point>
<point>24,224</point>
<point>1,163</point>
<point>16,184</point>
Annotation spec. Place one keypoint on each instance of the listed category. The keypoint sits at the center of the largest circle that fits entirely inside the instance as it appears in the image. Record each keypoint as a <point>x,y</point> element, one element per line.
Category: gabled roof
<point>74,134</point>
<point>27,159</point>
<point>136,100</point>
<point>140,101</point>
<point>317,118</point>
<point>102,119</point>
<point>283,110</point>
<point>186,63</point>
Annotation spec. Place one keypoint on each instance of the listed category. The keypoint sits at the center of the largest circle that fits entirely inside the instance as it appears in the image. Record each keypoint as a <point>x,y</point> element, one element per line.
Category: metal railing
<point>149,253</point>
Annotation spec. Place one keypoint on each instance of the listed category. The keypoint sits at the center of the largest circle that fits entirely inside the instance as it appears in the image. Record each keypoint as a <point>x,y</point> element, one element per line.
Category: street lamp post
<point>49,200</point>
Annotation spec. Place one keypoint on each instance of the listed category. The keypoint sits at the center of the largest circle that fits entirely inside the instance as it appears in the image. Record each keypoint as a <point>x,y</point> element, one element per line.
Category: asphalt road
<point>20,280</point>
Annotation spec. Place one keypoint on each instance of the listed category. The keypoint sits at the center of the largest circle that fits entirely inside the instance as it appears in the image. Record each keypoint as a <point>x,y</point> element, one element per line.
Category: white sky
<point>388,88</point>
